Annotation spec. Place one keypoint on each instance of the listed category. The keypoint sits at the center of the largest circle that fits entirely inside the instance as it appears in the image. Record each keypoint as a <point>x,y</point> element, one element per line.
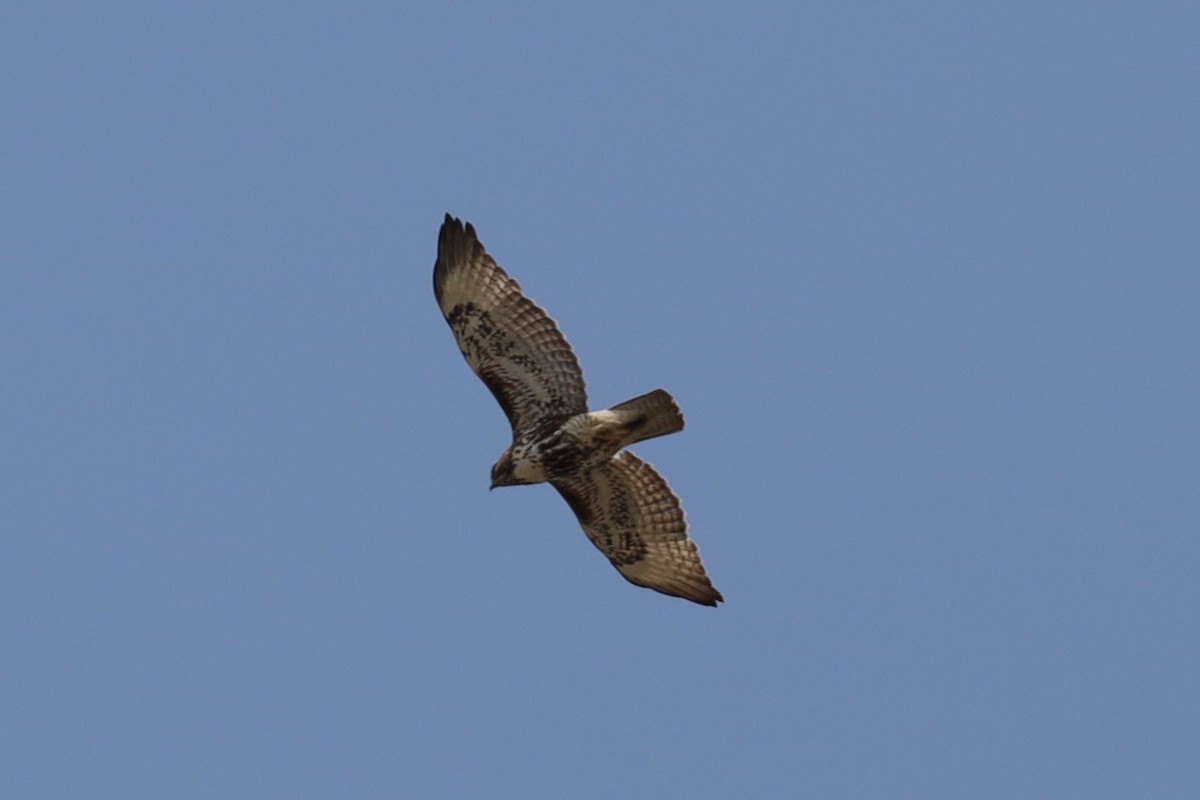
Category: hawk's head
<point>502,472</point>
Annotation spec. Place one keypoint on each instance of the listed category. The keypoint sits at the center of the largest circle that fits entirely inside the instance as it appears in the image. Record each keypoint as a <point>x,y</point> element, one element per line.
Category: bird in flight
<point>624,506</point>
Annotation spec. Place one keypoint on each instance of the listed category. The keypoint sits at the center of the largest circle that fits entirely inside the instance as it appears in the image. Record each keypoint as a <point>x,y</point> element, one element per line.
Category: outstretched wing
<point>630,513</point>
<point>511,343</point>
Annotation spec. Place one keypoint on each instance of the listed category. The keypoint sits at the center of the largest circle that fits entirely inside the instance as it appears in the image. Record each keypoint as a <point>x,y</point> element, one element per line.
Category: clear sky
<point>925,281</point>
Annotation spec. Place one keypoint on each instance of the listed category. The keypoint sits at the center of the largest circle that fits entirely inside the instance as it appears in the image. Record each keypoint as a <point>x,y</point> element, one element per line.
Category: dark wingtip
<point>457,245</point>
<point>453,222</point>
<point>452,230</point>
<point>706,595</point>
<point>456,240</point>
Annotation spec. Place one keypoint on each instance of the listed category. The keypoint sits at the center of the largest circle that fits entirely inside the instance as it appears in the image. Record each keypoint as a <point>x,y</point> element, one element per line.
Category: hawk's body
<point>562,446</point>
<point>622,503</point>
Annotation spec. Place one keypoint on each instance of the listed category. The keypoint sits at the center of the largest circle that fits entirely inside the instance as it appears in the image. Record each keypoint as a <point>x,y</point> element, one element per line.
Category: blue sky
<point>923,279</point>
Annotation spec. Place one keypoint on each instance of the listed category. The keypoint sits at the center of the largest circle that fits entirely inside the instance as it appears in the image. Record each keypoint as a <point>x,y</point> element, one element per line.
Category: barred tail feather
<point>650,415</point>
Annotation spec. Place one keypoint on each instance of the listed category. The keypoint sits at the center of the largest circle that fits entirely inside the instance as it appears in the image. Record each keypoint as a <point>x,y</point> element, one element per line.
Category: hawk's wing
<point>630,513</point>
<point>511,344</point>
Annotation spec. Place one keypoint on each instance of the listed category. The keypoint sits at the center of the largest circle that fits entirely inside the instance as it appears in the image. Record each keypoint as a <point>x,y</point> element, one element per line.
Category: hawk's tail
<point>650,415</point>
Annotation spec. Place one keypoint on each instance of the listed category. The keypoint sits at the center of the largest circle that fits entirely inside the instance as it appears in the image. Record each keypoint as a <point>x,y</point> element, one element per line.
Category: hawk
<point>625,507</point>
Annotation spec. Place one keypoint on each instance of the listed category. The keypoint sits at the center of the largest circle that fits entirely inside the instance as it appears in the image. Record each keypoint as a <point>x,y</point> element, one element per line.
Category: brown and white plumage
<point>510,343</point>
<point>625,507</point>
<point>632,516</point>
